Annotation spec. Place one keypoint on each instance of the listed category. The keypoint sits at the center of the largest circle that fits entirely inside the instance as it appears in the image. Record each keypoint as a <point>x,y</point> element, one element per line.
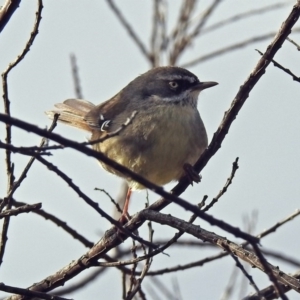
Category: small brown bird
<point>164,134</point>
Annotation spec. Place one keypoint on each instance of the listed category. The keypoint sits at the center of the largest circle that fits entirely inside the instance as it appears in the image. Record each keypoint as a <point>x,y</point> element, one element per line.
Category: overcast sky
<point>265,137</point>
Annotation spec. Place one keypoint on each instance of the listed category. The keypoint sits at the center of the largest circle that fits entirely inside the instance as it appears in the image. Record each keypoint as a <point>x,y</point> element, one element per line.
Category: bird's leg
<point>125,216</point>
<point>191,174</point>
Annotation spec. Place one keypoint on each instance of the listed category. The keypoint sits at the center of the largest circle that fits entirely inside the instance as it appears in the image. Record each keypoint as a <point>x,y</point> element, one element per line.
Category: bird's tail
<point>72,112</point>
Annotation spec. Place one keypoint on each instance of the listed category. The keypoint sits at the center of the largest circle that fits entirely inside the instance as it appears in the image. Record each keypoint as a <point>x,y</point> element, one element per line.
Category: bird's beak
<point>204,85</point>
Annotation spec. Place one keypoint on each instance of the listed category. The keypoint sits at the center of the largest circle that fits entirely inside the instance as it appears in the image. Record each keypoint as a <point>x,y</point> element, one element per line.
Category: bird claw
<point>191,174</point>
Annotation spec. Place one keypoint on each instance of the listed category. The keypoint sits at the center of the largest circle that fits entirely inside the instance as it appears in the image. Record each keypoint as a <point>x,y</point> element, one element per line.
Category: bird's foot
<point>191,174</point>
<point>125,217</point>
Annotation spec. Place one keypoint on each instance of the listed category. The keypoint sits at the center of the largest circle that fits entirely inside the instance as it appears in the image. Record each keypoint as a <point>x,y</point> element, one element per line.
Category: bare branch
<point>59,223</point>
<point>283,257</point>
<point>235,166</point>
<point>153,187</point>
<point>228,49</point>
<point>294,43</point>
<point>19,58</point>
<point>22,209</point>
<point>29,151</point>
<point>149,255</point>
<point>241,267</point>
<point>276,64</point>
<point>76,79</point>
<point>24,173</point>
<point>247,256</point>
<point>27,293</point>
<point>242,16</point>
<point>111,199</point>
<point>7,11</point>
<point>178,37</point>
<point>269,270</point>
<point>83,283</point>
<point>279,224</point>
<point>269,293</point>
<point>91,203</point>
<point>223,254</point>
<point>130,30</point>
<point>204,18</point>
<point>159,39</point>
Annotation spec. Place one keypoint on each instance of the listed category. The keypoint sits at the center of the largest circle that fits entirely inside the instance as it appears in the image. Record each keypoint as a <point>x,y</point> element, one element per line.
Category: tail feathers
<point>72,112</point>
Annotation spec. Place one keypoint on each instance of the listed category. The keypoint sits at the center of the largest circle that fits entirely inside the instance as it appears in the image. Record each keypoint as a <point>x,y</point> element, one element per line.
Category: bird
<point>153,126</point>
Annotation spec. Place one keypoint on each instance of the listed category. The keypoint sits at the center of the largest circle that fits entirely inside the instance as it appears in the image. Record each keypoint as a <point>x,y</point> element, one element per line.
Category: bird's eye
<point>173,85</point>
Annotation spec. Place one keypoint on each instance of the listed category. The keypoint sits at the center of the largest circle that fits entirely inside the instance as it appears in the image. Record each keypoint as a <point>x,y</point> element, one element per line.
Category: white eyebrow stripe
<point>178,77</point>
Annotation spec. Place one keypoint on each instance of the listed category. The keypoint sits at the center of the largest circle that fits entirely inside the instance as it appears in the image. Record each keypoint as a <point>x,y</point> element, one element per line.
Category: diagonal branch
<point>170,197</point>
<point>243,16</point>
<point>59,223</point>
<point>269,292</point>
<point>7,11</point>
<point>279,66</point>
<point>229,49</point>
<point>22,209</point>
<point>221,242</point>
<point>183,39</point>
<point>129,29</point>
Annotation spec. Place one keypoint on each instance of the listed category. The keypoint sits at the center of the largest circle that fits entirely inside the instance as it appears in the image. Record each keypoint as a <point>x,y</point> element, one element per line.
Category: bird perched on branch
<point>152,126</point>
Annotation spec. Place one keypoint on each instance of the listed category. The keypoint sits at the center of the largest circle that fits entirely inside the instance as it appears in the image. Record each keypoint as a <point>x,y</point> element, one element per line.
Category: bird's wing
<point>108,115</point>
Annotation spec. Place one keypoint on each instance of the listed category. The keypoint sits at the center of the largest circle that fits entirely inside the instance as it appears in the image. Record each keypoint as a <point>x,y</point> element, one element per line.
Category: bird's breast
<point>158,143</point>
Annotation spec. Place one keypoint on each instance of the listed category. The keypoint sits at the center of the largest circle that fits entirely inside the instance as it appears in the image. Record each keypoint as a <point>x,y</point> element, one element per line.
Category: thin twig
<point>29,151</point>
<point>129,29</point>
<point>228,49</point>
<point>59,223</point>
<point>242,16</point>
<point>111,199</point>
<point>279,224</point>
<point>294,43</point>
<point>28,293</point>
<point>283,257</point>
<point>90,202</point>
<point>149,255</point>
<point>279,66</point>
<point>235,166</point>
<point>9,164</point>
<point>11,66</point>
<point>24,173</point>
<point>204,18</point>
<point>269,292</point>
<point>76,79</point>
<point>241,267</point>
<point>154,41</point>
<point>145,268</point>
<point>179,35</point>
<point>22,209</point>
<point>78,286</point>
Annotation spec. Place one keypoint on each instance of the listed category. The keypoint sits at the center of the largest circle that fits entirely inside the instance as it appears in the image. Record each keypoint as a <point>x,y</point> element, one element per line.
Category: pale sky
<point>265,137</point>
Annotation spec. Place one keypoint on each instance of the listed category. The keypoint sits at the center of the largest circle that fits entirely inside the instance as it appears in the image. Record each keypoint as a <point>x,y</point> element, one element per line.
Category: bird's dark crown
<point>163,82</point>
